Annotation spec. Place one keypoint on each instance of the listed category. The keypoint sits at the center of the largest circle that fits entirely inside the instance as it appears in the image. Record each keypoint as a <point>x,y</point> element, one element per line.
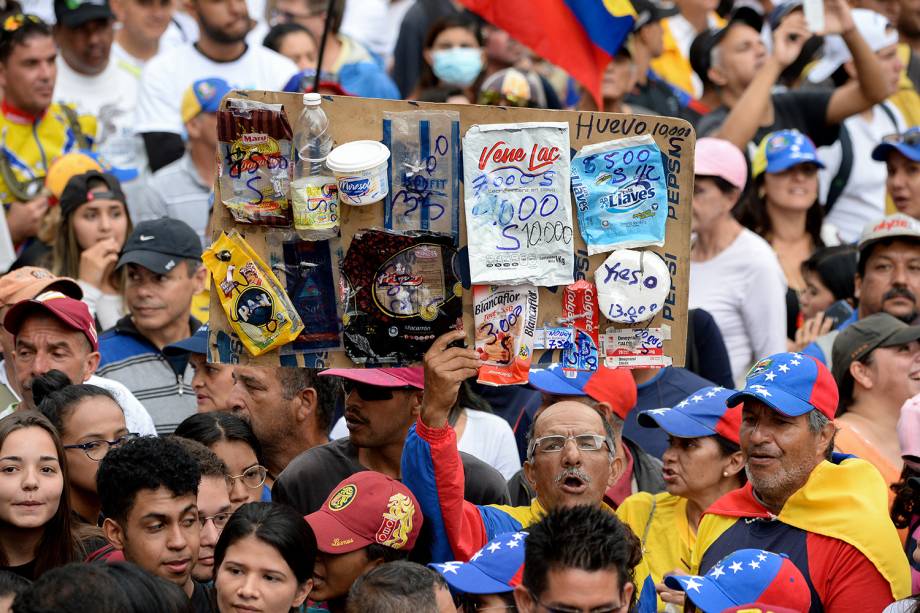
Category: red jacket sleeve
<point>845,579</point>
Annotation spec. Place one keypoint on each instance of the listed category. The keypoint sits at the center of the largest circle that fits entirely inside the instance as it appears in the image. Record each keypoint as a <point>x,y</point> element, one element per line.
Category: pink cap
<point>909,431</point>
<point>719,158</point>
<point>381,377</point>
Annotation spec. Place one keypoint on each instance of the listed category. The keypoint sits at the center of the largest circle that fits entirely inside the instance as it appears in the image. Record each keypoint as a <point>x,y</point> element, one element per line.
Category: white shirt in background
<point>486,437</point>
<point>744,289</point>
<point>863,198</point>
<point>167,76</point>
<point>375,24</point>
<point>111,97</point>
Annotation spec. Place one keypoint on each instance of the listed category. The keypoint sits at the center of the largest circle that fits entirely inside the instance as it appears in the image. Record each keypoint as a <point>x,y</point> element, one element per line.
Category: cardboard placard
<point>363,119</point>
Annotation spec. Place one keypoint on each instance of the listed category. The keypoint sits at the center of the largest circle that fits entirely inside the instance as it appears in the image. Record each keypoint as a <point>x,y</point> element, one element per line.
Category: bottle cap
<point>312,99</point>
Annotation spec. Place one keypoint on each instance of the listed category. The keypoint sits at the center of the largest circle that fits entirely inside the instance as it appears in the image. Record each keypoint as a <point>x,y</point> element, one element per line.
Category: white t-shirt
<point>375,23</point>
<point>487,437</point>
<point>112,97</point>
<point>863,198</point>
<point>744,289</point>
<point>137,419</point>
<point>167,76</point>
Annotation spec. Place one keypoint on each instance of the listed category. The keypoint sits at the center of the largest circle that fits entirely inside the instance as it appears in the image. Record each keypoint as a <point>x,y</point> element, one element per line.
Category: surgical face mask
<point>458,65</point>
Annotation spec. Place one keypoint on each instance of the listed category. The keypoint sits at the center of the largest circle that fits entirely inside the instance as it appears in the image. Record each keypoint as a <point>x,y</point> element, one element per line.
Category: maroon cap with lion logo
<point>367,507</point>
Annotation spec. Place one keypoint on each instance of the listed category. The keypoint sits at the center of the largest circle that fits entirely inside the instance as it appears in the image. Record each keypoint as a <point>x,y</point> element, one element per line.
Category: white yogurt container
<point>360,169</point>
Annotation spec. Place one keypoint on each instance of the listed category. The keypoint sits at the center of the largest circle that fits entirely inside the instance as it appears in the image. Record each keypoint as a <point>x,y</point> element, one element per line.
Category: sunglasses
<point>910,137</point>
<point>371,393</point>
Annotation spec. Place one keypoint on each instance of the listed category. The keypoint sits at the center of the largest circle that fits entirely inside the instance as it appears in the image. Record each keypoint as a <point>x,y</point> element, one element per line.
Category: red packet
<point>580,311</point>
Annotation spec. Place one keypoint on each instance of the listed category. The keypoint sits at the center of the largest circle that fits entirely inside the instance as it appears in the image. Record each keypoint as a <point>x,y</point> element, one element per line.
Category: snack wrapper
<point>400,293</point>
<point>518,204</point>
<point>505,319</point>
<point>257,307</point>
<point>620,194</point>
<point>254,140</point>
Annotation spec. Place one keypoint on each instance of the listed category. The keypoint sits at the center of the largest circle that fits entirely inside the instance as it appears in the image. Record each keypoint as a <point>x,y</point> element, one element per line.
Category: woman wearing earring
<point>702,463</point>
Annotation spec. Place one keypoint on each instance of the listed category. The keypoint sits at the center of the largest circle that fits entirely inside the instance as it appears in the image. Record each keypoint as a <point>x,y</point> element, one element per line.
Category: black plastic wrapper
<point>401,293</point>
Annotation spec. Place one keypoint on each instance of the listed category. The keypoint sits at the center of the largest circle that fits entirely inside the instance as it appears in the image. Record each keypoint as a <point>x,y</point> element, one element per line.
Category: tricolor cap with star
<point>792,383</point>
<point>747,575</point>
<point>615,386</point>
<point>495,569</point>
<point>702,413</point>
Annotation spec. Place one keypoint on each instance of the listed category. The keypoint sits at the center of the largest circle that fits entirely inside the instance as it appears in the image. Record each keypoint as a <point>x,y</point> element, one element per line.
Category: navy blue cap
<point>196,343</point>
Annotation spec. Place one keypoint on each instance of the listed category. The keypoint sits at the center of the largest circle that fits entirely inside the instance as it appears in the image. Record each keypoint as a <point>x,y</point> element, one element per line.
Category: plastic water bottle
<point>313,188</point>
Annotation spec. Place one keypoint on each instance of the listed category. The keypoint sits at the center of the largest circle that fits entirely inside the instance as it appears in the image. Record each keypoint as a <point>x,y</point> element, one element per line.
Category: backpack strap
<point>840,180</point>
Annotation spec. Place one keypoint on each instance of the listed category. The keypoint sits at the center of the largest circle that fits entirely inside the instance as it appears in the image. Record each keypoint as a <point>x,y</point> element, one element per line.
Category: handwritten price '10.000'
<point>525,222</point>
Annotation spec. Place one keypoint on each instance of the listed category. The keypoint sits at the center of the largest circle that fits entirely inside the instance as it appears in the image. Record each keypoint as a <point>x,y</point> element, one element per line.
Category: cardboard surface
<point>362,119</point>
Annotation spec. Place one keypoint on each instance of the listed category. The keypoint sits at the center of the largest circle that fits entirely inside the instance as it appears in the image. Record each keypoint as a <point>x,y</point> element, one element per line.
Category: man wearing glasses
<point>571,460</point>
<point>214,506</point>
<point>380,406</point>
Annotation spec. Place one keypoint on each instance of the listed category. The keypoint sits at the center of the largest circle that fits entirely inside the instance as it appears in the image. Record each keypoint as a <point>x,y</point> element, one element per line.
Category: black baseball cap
<point>159,244</point>
<point>862,337</point>
<point>74,13</point>
<point>649,12</point>
<point>706,41</point>
<point>77,191</point>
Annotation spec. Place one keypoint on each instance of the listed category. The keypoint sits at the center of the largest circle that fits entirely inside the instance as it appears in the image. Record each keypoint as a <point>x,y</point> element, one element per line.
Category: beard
<point>220,35</point>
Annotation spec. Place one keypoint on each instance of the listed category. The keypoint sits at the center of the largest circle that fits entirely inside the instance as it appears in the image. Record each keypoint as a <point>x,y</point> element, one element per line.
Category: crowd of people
<point>778,470</point>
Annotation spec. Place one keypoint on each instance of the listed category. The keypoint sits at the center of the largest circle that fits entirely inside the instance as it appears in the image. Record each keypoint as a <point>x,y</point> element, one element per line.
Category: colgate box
<point>579,310</point>
<point>518,203</point>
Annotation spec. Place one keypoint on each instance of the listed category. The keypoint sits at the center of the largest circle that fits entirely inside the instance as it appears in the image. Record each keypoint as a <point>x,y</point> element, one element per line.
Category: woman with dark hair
<point>89,422</point>
<point>703,462</point>
<point>264,560</point>
<point>783,208</point>
<point>828,276</point>
<point>94,225</point>
<point>734,274</point>
<point>454,60</point>
<point>35,515</point>
<point>294,42</point>
<point>146,593</point>
<point>232,440</point>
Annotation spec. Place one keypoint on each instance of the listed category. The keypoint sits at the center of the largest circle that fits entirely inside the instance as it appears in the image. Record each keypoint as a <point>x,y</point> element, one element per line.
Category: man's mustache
<point>899,292</point>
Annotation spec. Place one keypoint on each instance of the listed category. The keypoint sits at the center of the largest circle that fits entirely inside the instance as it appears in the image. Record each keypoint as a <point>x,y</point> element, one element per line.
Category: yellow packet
<point>255,302</point>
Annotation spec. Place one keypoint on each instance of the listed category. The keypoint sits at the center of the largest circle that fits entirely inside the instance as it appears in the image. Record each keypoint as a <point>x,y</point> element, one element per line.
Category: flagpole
<point>322,45</point>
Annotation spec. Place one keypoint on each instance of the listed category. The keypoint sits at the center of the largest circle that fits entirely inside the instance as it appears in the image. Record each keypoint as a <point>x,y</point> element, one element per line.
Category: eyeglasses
<point>567,609</point>
<point>555,443</point>
<point>909,137</point>
<point>14,22</point>
<point>371,393</point>
<point>96,450</point>
<point>252,477</point>
<point>220,519</point>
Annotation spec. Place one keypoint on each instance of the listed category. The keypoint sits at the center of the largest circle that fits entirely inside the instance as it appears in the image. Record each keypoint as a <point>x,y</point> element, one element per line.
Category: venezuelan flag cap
<point>747,575</point>
<point>494,569</point>
<point>702,413</point>
<point>792,383</point>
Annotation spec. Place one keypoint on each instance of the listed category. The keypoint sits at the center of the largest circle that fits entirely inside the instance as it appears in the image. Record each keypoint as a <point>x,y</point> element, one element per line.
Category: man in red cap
<point>617,389</point>
<point>54,331</point>
<point>381,404</point>
<point>368,519</point>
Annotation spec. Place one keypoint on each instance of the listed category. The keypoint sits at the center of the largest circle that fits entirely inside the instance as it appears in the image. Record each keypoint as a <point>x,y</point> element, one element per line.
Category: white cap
<point>312,99</point>
<point>897,225</point>
<point>873,27</point>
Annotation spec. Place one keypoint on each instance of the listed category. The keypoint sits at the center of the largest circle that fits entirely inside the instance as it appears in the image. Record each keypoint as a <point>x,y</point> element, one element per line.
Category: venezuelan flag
<point>579,36</point>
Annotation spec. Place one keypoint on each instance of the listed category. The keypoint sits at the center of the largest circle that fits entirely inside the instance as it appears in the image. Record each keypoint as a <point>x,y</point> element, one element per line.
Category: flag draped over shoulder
<point>579,36</point>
